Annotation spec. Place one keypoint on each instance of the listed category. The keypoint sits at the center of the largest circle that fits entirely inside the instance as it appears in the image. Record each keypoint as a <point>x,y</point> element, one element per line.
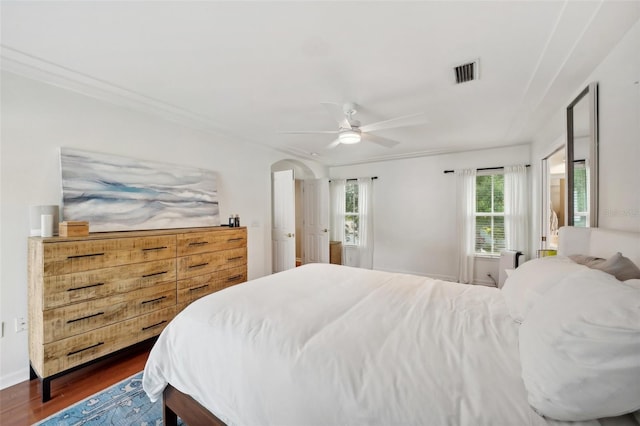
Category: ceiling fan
<point>350,131</point>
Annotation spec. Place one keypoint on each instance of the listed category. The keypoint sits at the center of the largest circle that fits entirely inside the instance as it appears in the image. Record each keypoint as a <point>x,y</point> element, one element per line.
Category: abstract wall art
<point>117,193</point>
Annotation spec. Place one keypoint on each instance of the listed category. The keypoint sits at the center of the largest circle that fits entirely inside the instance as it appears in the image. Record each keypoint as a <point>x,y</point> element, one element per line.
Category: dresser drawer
<point>60,290</point>
<point>201,242</point>
<point>78,318</point>
<point>194,288</point>
<point>76,256</point>
<point>73,351</point>
<point>204,263</point>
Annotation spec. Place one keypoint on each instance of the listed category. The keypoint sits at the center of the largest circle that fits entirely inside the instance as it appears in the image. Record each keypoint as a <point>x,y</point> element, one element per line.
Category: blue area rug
<point>123,404</point>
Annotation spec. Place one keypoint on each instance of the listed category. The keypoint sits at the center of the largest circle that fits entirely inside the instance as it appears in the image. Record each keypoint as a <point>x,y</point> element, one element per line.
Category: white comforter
<point>332,345</point>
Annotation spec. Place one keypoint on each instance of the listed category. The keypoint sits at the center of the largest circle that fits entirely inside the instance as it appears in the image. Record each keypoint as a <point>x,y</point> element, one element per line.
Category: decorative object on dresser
<point>74,229</point>
<point>94,295</point>
<point>46,225</point>
<point>35,219</point>
<point>117,193</point>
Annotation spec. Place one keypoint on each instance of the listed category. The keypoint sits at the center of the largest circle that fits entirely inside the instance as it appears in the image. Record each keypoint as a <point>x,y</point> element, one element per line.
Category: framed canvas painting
<point>115,193</point>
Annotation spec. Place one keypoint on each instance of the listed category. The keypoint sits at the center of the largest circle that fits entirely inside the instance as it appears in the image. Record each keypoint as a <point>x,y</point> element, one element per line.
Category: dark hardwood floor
<point>22,404</point>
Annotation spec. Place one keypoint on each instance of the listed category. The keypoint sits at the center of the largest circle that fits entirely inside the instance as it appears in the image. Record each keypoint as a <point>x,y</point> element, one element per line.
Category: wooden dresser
<point>92,296</point>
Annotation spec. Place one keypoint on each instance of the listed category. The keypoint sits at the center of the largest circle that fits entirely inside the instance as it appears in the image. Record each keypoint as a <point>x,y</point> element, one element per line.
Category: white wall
<point>38,118</point>
<point>618,77</point>
<point>414,207</point>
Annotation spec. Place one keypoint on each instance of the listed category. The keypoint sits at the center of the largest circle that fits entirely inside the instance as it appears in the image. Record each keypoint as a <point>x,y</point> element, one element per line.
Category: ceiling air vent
<point>466,72</point>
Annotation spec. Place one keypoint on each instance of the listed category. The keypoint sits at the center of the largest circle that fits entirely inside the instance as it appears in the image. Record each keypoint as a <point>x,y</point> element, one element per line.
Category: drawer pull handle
<point>199,243</point>
<point>86,286</point>
<point>234,239</point>
<point>157,299</point>
<point>154,325</point>
<point>199,265</point>
<point>84,318</point>
<point>199,288</point>
<point>154,274</point>
<point>154,248</point>
<point>77,256</point>
<point>85,349</point>
<point>233,278</point>
<point>235,258</point>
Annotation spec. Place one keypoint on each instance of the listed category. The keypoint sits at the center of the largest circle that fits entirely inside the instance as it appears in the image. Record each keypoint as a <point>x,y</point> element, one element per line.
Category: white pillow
<point>532,279</point>
<point>580,348</point>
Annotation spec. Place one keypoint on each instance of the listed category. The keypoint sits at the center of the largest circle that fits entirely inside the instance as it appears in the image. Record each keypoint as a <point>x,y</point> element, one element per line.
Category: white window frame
<point>346,214</point>
<point>577,213</point>
<point>491,214</point>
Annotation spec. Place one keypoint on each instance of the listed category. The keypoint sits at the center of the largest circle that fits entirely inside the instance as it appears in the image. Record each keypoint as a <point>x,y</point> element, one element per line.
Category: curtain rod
<point>352,179</point>
<point>485,168</point>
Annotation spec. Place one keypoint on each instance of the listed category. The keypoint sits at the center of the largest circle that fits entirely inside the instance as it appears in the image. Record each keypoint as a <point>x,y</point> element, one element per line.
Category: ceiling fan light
<point>349,137</point>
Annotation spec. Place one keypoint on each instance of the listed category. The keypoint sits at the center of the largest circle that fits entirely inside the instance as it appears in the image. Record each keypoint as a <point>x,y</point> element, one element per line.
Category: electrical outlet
<point>21,324</point>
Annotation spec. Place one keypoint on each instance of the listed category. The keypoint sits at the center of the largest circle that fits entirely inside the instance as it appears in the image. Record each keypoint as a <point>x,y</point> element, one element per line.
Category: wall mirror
<point>582,159</point>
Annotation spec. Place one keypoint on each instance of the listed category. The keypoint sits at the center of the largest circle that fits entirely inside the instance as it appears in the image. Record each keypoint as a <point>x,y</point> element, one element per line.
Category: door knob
<point>325,230</point>
<point>291,235</point>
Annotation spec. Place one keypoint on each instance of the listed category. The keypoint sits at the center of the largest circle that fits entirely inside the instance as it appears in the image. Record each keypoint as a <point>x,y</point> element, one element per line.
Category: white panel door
<point>316,220</point>
<point>284,221</point>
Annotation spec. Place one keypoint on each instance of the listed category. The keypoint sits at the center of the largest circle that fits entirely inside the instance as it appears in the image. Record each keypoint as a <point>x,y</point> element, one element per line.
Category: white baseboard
<point>14,378</point>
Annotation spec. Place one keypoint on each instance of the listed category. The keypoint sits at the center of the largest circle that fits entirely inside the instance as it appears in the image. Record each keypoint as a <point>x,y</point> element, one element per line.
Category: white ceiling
<point>247,70</point>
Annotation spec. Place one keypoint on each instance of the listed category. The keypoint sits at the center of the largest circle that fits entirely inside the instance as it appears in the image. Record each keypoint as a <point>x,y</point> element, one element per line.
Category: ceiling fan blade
<point>305,132</point>
<point>379,140</point>
<point>336,112</point>
<point>404,121</point>
<point>333,144</point>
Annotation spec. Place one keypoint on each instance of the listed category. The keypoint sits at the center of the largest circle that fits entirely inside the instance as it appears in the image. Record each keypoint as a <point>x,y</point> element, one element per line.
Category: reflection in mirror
<point>554,206</point>
<point>582,159</point>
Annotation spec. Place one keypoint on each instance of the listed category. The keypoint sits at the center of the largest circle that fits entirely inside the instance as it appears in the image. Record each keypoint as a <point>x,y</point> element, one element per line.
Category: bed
<point>326,344</point>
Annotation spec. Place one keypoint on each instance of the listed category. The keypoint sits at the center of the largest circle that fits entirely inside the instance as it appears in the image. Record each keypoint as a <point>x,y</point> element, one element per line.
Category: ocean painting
<point>116,193</point>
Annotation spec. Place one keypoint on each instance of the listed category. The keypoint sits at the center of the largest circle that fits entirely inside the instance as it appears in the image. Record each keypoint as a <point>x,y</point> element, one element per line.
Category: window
<point>351,215</point>
<point>489,214</point>
<point>352,219</point>
<point>580,195</point>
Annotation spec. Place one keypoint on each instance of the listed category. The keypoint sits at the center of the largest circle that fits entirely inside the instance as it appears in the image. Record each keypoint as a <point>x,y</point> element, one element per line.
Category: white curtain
<point>365,247</point>
<point>337,189</point>
<point>466,223</point>
<point>516,209</point>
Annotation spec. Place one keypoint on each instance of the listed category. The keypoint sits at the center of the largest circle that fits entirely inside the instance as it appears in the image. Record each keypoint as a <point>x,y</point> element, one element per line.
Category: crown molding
<point>32,67</point>
<point>20,63</point>
<point>28,66</point>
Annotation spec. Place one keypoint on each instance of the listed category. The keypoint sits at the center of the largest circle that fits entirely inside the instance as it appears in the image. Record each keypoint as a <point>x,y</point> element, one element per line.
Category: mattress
<point>327,344</point>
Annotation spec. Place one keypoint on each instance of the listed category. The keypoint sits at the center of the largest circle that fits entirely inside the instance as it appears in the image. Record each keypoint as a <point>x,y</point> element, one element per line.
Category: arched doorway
<point>300,215</point>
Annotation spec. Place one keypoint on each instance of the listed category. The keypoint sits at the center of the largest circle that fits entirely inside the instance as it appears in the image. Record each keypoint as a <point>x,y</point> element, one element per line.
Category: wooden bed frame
<point>177,404</point>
